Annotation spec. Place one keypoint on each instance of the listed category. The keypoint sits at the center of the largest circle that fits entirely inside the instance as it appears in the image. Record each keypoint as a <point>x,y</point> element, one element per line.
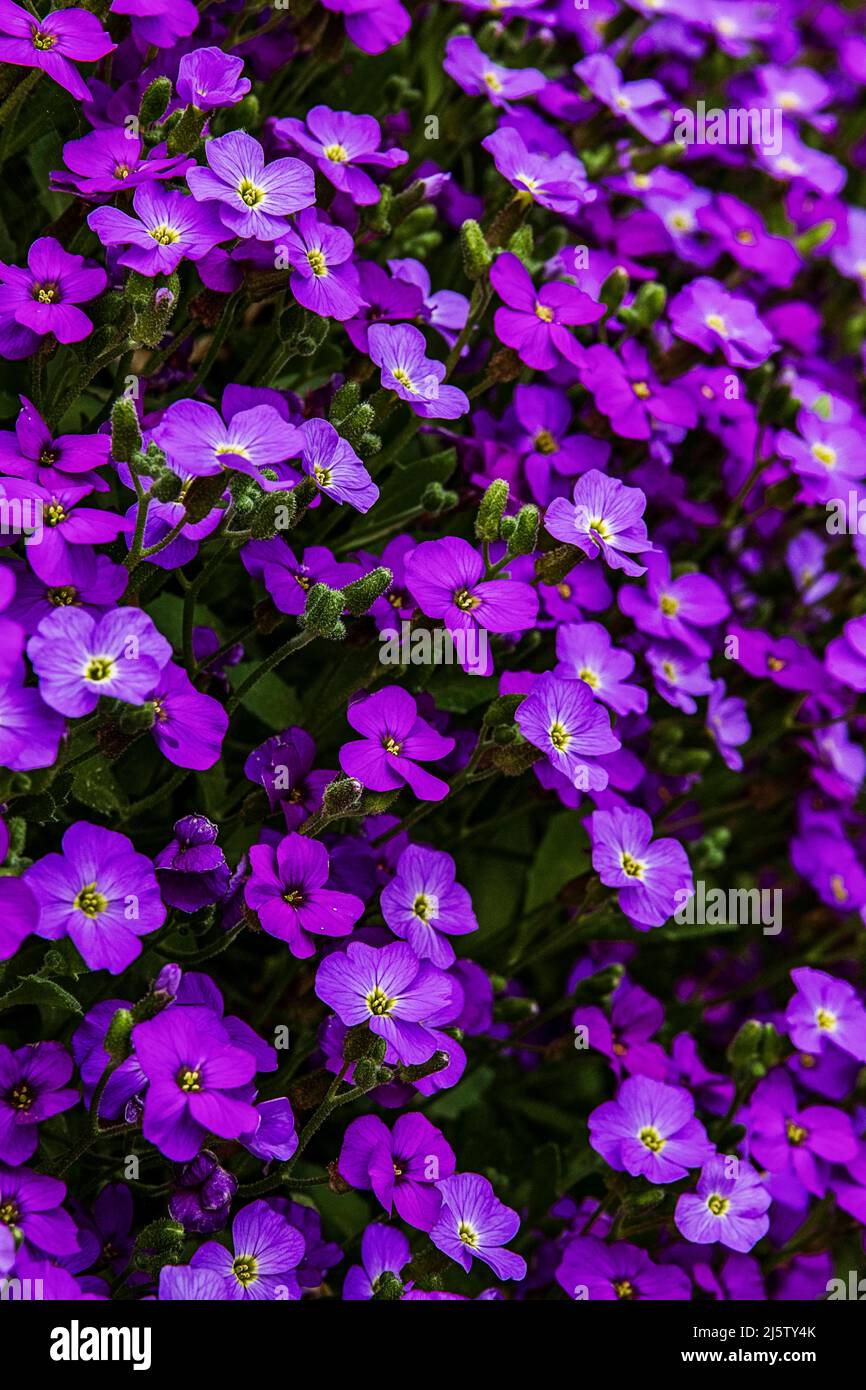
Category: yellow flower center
<point>43,41</point>
<point>543,312</point>
<point>796,1133</point>
<point>99,668</point>
<point>826,1020</point>
<point>717,324</point>
<point>838,889</point>
<point>641,390</point>
<point>669,605</point>
<point>467,1234</point>
<point>21,1097</point>
<point>718,1205</point>
<point>400,374</point>
<point>317,263</point>
<point>822,453</point>
<point>631,866</point>
<point>294,897</point>
<point>622,1288</point>
<point>589,677</point>
<point>55,512</point>
<point>165,235</point>
<point>379,1003</point>
<point>423,907</point>
<point>391,745</point>
<point>251,195</point>
<point>336,153</point>
<point>493,82</point>
<point>651,1139</point>
<point>246,1269</point>
<point>189,1079</point>
<point>545,443</point>
<point>559,736</point>
<point>90,901</point>
<point>467,602</point>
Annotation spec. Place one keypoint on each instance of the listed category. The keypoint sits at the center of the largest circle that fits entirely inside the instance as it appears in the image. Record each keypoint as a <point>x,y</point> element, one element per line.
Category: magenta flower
<point>626,390</point>
<point>537,325</point>
<point>793,1142</point>
<point>708,315</point>
<point>54,44</point>
<point>564,720</point>
<point>100,893</point>
<point>33,447</point>
<point>729,1206</point>
<point>339,142</point>
<point>395,739</point>
<point>253,198</point>
<point>474,1223</point>
<point>401,351</point>
<point>445,579</point>
<point>653,876</point>
<point>605,519</point>
<point>167,227</point>
<point>79,658</point>
<point>402,1168</point>
<point>324,278</point>
<point>478,75</point>
<point>650,1131</point>
<point>390,989</point>
<point>423,900</point>
<point>286,889</point>
<point>198,1081</point>
<point>111,159</point>
<point>586,653</point>
<point>30,731</point>
<point>44,297</point>
<point>289,580</point>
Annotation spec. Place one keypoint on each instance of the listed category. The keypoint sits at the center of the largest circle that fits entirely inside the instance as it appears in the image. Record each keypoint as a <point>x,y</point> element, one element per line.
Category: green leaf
<point>35,989</point>
<point>95,785</point>
<point>562,855</point>
<point>270,699</point>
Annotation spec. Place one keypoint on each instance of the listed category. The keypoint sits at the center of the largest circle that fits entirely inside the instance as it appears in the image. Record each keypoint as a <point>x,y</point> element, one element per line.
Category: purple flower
<point>202,1194</point>
<point>198,1079</point>
<point>473,1222</point>
<point>33,447</point>
<point>651,875</point>
<point>563,719</point>
<point>401,351</point>
<point>340,141</point>
<point>845,656</point>
<point>586,652</point>
<point>189,726</point>
<point>79,658</point>
<point>728,723</point>
<point>672,608</point>
<point>254,199</point>
<point>159,22</point>
<point>627,391</point>
<point>395,739</point>
<point>44,297</point>
<point>445,310</point>
<point>266,1253</point>
<point>402,1167</point>
<point>392,990</point>
<point>32,1089</point>
<point>592,1270</point>
<point>373,25</point>
<point>286,890</point>
<point>638,103</point>
<point>423,900</point>
<point>445,579</point>
<point>19,914</point>
<point>207,78</point>
<point>605,519</point>
<point>30,1203</point>
<point>624,1038</point>
<point>478,75</point>
<point>793,1142</point>
<point>332,461</point>
<point>100,893</point>
<point>729,1206</point>
<point>649,1131</point>
<point>197,442</point>
<point>383,1250</point>
<point>192,871</point>
<point>185,1284</point>
<point>558,184</point>
<point>167,227</point>
<point>826,1010</point>
<point>324,278</point>
<point>708,315</point>
<point>289,580</point>
<point>60,546</point>
<point>112,159</point>
<point>282,765</point>
<point>53,44</point>
<point>537,325</point>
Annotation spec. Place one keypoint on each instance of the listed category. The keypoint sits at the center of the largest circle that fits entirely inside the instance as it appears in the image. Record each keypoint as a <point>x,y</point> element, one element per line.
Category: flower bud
<point>125,431</point>
<point>154,101</point>
<point>361,594</point>
<point>524,535</point>
<point>321,614</point>
<point>341,796</point>
<point>490,510</point>
<point>477,255</point>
